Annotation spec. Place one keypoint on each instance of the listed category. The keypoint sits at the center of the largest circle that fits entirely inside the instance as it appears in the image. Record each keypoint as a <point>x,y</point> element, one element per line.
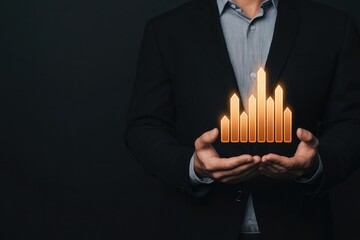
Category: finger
<point>274,168</point>
<point>206,138</point>
<point>246,175</point>
<point>307,137</point>
<point>221,164</point>
<point>266,172</point>
<point>277,159</point>
<point>257,158</point>
<point>275,173</point>
<point>238,171</point>
<point>269,174</point>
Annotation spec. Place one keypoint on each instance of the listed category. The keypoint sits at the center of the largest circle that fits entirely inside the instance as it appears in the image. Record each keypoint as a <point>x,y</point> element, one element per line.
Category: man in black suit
<point>184,79</point>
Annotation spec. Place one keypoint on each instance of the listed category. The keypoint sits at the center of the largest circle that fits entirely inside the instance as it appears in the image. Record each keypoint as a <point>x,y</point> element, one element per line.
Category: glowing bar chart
<point>266,120</point>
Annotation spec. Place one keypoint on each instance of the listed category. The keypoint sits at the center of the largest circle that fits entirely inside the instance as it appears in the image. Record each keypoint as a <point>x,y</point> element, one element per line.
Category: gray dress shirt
<point>248,42</point>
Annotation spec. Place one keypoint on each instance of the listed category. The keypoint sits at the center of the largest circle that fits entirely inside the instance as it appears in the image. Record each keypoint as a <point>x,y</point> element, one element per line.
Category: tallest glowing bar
<point>234,118</point>
<point>261,104</point>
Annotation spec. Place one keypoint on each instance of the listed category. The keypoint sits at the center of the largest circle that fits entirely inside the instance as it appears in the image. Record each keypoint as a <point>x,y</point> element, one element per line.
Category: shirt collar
<point>222,3</point>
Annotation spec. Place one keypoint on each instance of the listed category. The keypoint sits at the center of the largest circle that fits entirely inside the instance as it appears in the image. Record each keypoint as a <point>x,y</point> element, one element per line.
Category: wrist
<point>312,169</point>
<point>197,168</point>
<point>194,178</point>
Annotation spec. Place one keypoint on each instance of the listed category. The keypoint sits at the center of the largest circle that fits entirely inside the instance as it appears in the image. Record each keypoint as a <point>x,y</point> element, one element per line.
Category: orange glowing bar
<point>270,120</point>
<point>261,102</point>
<point>278,114</point>
<point>234,117</point>
<point>243,127</point>
<point>252,119</point>
<point>225,129</point>
<point>287,125</point>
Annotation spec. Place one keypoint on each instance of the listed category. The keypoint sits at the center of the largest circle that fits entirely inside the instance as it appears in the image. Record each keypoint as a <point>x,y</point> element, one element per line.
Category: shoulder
<point>325,18</point>
<point>321,12</point>
<point>174,16</point>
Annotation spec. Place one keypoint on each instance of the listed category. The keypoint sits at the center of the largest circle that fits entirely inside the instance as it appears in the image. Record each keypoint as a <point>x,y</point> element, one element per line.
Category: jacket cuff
<point>311,179</point>
<point>195,180</point>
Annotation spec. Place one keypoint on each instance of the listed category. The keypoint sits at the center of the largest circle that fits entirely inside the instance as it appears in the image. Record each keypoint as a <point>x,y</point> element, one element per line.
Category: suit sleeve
<point>340,129</point>
<point>151,122</point>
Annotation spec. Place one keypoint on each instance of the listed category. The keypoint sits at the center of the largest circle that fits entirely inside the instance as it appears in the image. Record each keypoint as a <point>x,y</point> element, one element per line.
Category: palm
<point>207,152</point>
<point>305,151</point>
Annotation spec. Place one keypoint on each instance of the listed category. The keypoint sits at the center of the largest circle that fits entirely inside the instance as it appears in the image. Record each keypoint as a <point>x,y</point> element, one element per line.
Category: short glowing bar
<point>252,119</point>
<point>278,114</point>
<point>261,102</point>
<point>270,120</point>
<point>225,129</point>
<point>234,118</point>
<point>287,125</point>
<point>243,127</point>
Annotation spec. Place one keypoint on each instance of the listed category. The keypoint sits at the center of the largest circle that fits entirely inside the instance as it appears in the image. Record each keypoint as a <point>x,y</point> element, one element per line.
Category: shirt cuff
<point>195,179</point>
<point>311,179</point>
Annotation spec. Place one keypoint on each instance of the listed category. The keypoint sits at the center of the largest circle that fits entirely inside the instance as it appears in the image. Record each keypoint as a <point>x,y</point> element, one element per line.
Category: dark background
<point>67,69</point>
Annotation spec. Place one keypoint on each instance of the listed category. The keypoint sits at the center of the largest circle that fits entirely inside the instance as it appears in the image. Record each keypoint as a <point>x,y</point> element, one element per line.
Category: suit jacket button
<point>180,188</point>
<point>238,196</point>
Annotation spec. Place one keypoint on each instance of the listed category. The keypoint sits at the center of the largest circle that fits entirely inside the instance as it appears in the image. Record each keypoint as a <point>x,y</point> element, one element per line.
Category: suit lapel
<point>286,28</point>
<point>207,21</point>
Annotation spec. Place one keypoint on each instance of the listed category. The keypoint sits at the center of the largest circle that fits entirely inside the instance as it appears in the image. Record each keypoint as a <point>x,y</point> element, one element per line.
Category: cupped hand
<point>304,162</point>
<point>208,163</point>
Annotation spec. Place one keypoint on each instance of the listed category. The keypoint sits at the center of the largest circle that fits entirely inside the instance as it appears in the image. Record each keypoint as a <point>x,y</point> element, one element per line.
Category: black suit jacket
<point>183,84</point>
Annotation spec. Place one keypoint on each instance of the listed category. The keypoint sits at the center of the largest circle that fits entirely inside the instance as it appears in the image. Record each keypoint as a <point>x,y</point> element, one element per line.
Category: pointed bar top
<point>261,73</point>
<point>278,89</point>
<point>224,118</point>
<point>234,96</point>
<point>270,99</point>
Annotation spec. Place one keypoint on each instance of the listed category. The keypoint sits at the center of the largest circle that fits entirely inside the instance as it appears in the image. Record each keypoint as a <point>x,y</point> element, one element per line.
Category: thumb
<point>206,138</point>
<point>307,137</point>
